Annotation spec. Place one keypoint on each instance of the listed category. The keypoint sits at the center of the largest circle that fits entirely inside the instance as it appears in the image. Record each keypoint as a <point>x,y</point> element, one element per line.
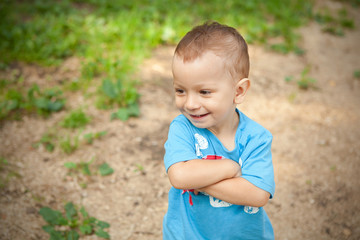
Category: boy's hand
<point>200,173</point>
<point>237,171</point>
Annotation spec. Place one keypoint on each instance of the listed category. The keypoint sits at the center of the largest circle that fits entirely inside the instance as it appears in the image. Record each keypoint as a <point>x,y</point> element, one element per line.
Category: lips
<point>198,116</point>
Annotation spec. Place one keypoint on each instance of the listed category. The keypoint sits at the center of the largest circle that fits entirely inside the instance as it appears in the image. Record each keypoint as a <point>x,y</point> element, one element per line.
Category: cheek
<point>179,102</point>
<point>221,106</point>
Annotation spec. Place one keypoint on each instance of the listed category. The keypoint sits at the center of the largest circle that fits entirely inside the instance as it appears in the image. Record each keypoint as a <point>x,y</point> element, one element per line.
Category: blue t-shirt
<point>203,216</point>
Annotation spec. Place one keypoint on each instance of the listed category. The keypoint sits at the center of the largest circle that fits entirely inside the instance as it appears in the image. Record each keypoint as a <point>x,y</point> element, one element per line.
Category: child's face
<point>205,91</point>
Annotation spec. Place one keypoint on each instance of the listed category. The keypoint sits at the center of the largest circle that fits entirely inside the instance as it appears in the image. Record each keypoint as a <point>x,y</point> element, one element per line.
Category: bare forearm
<point>199,173</point>
<point>238,191</point>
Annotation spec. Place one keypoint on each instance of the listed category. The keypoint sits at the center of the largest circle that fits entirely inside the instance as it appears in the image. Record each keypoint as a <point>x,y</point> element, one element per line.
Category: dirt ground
<point>316,147</point>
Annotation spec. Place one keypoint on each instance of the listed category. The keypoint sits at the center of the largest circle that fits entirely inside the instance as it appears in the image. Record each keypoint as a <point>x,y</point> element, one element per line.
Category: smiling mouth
<point>196,116</point>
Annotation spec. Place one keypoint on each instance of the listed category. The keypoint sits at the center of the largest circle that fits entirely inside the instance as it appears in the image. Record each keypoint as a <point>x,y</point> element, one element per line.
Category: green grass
<point>335,24</point>
<point>16,100</point>
<point>75,119</point>
<point>112,37</point>
<point>124,32</point>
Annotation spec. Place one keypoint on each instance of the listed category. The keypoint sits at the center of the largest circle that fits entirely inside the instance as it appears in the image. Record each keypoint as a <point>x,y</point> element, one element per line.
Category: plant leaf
<point>109,88</point>
<point>85,169</point>
<point>56,235</point>
<point>70,165</point>
<point>53,217</point>
<point>72,235</point>
<point>101,233</point>
<point>121,114</point>
<point>86,229</point>
<point>102,224</point>
<point>133,110</point>
<point>48,228</point>
<point>89,138</point>
<point>105,169</point>
<point>70,210</point>
<point>84,212</point>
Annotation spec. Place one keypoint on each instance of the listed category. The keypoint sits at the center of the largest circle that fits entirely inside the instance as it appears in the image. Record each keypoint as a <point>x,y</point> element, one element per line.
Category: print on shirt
<point>214,202</point>
<point>251,210</point>
<point>202,143</point>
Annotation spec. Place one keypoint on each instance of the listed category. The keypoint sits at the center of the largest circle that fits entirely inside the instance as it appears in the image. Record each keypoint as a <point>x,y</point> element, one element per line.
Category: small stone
<point>30,210</point>
<point>347,232</point>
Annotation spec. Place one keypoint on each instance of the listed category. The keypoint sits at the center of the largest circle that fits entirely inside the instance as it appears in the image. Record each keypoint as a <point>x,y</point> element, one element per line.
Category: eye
<point>205,92</point>
<point>179,91</point>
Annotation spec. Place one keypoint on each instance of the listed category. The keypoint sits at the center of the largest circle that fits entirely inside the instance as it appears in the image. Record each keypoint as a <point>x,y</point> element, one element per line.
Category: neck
<point>227,131</point>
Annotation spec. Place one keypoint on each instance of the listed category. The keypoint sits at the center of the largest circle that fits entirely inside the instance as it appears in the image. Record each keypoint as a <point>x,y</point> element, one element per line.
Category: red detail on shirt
<point>190,197</point>
<point>213,157</point>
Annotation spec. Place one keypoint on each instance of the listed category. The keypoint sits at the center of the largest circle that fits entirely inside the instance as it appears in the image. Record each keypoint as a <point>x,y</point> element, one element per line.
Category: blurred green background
<point>112,38</point>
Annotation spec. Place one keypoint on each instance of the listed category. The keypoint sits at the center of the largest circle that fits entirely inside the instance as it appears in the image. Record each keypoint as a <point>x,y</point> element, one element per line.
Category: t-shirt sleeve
<point>257,165</point>
<point>180,145</point>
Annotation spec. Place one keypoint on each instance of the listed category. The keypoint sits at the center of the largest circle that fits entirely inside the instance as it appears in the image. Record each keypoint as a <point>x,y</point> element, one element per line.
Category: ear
<point>241,88</point>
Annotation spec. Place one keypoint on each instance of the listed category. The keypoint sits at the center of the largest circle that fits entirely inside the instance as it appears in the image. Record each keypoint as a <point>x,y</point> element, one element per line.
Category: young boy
<point>217,159</point>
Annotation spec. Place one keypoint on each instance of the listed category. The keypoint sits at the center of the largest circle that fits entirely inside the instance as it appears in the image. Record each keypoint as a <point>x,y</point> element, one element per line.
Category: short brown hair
<point>223,41</point>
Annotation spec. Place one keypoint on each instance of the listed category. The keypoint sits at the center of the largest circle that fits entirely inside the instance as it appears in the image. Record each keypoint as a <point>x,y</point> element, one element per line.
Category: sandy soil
<point>316,148</point>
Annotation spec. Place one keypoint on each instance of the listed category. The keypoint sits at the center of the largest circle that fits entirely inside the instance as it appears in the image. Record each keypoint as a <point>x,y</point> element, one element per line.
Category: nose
<point>192,102</point>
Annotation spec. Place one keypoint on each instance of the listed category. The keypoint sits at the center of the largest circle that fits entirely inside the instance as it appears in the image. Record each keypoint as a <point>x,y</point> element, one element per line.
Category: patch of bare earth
<point>316,148</point>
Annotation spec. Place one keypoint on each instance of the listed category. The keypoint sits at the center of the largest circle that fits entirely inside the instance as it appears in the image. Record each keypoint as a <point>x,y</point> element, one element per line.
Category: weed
<point>11,102</point>
<point>120,94</point>
<point>82,172</point>
<point>75,119</point>
<point>3,165</point>
<point>3,162</point>
<point>72,223</point>
<point>304,82</point>
<point>105,169</point>
<point>48,141</point>
<point>125,113</point>
<point>292,97</point>
<point>139,168</point>
<point>90,137</point>
<point>289,78</point>
<point>333,168</point>
<point>76,168</point>
<point>357,74</point>
<point>69,145</point>
<point>73,85</point>
<point>44,102</point>
<point>6,172</point>
<point>334,25</point>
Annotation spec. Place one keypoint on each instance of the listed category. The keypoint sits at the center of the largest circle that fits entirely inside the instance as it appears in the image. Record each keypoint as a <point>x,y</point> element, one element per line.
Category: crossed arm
<point>219,178</point>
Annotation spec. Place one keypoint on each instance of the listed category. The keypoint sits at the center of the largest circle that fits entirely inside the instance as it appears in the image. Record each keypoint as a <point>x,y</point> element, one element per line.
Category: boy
<point>218,160</point>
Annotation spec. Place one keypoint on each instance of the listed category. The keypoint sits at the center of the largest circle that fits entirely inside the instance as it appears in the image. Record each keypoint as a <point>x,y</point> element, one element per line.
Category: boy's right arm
<point>200,173</point>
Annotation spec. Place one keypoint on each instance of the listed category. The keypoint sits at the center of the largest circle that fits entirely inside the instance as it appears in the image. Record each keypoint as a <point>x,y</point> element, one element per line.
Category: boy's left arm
<point>238,191</point>
<point>256,184</point>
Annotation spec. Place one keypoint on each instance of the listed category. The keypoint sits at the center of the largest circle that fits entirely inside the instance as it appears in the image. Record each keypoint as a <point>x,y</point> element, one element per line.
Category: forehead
<point>207,63</point>
<point>206,69</point>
